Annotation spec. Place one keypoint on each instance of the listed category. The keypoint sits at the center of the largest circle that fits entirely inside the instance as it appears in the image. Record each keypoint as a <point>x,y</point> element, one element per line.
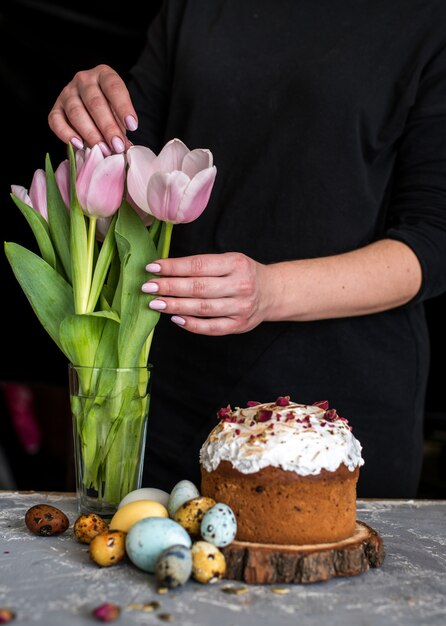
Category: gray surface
<point>51,581</point>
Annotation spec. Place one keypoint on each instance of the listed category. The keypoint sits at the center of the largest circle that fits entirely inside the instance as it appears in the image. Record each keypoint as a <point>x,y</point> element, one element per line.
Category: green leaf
<point>107,350</point>
<point>50,296</point>
<point>80,336</point>
<point>136,249</point>
<point>58,219</point>
<point>41,230</point>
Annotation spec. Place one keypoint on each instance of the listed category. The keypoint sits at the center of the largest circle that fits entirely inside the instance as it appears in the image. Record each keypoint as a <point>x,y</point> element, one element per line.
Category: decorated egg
<point>219,525</point>
<point>149,537</point>
<point>191,512</point>
<point>46,520</point>
<point>174,566</point>
<point>130,513</point>
<point>107,548</point>
<point>87,526</point>
<point>182,491</point>
<point>146,493</point>
<point>208,562</point>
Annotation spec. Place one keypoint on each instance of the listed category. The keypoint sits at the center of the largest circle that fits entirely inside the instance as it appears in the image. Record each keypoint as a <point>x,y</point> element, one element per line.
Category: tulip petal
<point>171,156</point>
<point>93,158</point>
<point>62,175</point>
<point>196,161</point>
<point>37,193</point>
<point>196,196</point>
<point>141,162</point>
<point>22,194</point>
<point>164,193</point>
<point>106,188</point>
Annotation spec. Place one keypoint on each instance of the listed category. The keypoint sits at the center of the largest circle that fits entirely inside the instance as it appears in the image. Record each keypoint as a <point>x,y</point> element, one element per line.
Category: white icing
<point>296,438</point>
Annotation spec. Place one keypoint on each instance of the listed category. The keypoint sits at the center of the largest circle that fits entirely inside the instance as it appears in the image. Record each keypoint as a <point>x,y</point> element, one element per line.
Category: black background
<point>42,45</point>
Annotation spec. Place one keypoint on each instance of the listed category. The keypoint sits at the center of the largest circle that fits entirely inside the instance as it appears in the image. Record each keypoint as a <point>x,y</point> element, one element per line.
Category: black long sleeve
<point>327,121</point>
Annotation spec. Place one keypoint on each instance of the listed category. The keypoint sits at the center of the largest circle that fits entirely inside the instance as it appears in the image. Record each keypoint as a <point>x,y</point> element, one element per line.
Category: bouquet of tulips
<point>98,221</point>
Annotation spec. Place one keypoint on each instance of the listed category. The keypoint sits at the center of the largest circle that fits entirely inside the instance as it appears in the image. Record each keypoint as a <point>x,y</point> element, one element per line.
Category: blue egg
<point>149,537</point>
<point>182,492</point>
<point>174,566</point>
<point>219,525</point>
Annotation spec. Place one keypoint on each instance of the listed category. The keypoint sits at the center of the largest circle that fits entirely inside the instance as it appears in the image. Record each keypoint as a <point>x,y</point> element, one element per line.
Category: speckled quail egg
<point>146,493</point>
<point>219,525</point>
<point>132,512</point>
<point>182,491</point>
<point>208,562</point>
<point>108,548</point>
<point>149,537</point>
<point>86,527</point>
<point>46,520</point>
<point>190,514</point>
<point>174,566</point>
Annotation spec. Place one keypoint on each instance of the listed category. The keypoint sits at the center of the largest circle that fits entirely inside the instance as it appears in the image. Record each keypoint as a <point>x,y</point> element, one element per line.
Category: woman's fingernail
<point>150,288</point>
<point>77,143</point>
<point>118,145</point>
<point>104,148</point>
<point>153,267</point>
<point>157,305</point>
<point>130,123</point>
<point>178,320</point>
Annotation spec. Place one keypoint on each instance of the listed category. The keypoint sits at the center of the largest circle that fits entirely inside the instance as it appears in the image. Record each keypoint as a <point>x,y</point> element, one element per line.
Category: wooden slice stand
<point>258,563</point>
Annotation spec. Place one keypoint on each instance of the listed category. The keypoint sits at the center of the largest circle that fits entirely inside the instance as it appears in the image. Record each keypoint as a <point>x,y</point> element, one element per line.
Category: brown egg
<point>108,548</point>
<point>46,520</point>
<point>86,527</point>
<point>190,514</point>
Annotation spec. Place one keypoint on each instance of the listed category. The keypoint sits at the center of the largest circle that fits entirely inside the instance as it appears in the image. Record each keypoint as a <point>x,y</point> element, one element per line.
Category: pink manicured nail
<point>130,123</point>
<point>153,267</point>
<point>157,305</point>
<point>104,148</point>
<point>118,145</point>
<point>150,288</point>
<point>77,143</point>
<point>178,320</point>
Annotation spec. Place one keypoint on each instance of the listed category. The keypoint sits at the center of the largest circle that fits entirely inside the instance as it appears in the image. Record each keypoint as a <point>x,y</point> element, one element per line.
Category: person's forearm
<point>380,276</point>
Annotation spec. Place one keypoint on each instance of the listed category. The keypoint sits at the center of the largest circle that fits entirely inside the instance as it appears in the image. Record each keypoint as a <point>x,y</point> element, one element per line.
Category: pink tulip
<point>174,186</point>
<point>37,193</point>
<point>100,183</point>
<point>62,175</point>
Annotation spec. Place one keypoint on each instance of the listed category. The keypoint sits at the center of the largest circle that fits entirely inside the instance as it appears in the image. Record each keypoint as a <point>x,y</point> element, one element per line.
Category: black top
<point>327,122</point>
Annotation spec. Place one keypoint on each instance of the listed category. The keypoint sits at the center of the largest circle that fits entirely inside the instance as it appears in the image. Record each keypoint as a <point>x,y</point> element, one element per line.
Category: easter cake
<point>287,470</point>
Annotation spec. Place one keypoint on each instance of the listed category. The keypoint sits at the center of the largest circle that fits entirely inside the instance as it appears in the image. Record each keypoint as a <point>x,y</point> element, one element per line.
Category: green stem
<point>164,241</point>
<point>89,264</point>
<point>108,250</point>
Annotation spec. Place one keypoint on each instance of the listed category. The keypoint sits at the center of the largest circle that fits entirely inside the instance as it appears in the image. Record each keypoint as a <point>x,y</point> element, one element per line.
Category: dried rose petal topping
<point>283,401</point>
<point>253,403</point>
<point>264,415</point>
<point>107,612</point>
<point>331,415</point>
<point>322,404</point>
<point>224,412</point>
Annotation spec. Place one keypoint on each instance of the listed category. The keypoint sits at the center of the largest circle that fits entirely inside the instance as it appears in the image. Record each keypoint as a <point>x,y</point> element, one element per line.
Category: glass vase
<point>110,409</point>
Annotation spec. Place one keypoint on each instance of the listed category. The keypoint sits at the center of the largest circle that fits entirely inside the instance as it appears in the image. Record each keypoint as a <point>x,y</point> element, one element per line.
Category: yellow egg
<point>130,513</point>
<point>190,514</point>
<point>208,562</point>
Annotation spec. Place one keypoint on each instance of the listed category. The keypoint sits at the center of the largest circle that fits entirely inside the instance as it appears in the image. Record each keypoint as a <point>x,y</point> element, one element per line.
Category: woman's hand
<point>94,107</point>
<point>210,294</point>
